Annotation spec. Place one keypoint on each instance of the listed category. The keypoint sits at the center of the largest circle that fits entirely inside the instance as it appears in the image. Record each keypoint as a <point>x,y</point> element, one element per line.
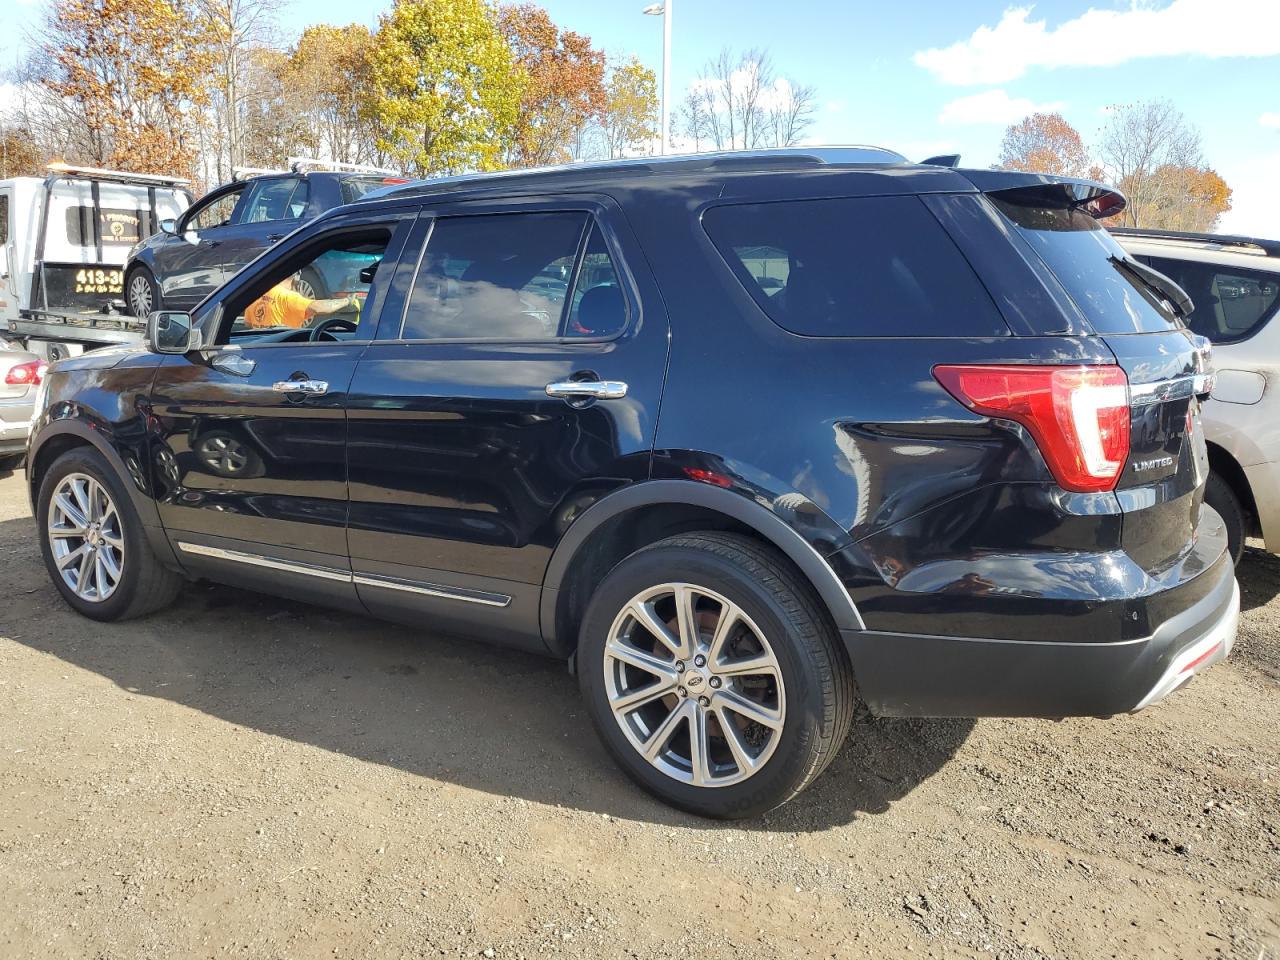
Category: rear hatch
<point>1138,314</point>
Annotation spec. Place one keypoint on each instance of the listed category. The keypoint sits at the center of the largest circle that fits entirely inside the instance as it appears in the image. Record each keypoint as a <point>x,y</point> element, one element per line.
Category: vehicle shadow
<point>1259,576</point>
<point>454,710</point>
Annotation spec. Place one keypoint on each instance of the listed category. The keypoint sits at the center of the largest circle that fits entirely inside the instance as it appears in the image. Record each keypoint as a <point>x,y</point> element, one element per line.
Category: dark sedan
<point>192,256</point>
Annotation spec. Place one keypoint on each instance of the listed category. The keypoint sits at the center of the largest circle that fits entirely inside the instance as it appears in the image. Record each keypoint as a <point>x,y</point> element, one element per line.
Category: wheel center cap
<point>695,681</point>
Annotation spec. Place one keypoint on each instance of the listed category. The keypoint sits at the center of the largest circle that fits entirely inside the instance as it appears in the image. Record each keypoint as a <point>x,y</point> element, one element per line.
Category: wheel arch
<point>636,515</point>
<point>1226,466</point>
<point>59,437</point>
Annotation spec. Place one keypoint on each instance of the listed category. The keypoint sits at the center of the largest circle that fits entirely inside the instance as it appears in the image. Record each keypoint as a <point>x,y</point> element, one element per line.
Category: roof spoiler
<point>951,160</point>
<point>1096,199</point>
<point>1270,247</point>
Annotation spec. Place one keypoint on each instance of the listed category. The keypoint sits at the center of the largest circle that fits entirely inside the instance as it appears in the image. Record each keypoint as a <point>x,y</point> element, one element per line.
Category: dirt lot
<point>242,777</point>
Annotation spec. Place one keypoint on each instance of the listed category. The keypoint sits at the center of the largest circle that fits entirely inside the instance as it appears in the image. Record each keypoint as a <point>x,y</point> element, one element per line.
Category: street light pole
<point>663,10</point>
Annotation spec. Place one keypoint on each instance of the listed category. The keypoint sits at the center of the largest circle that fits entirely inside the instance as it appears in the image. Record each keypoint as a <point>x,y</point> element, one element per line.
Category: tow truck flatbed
<point>98,329</point>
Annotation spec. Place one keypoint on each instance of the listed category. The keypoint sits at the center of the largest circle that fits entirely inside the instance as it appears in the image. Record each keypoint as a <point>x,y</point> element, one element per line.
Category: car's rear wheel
<point>1219,495</point>
<point>93,543</point>
<point>141,292</point>
<point>712,675</point>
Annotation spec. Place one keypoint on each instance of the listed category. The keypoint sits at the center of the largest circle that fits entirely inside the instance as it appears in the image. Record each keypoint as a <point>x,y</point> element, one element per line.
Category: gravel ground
<point>240,776</point>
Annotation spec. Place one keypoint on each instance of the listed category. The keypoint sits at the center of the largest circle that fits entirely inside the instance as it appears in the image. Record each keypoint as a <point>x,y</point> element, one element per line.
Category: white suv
<point>1235,284</point>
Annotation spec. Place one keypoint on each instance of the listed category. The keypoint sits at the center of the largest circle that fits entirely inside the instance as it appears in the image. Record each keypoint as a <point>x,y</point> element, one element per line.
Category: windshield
<point>1090,265</point>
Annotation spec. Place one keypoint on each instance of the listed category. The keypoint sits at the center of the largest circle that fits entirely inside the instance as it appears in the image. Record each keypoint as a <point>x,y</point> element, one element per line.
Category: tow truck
<point>64,239</point>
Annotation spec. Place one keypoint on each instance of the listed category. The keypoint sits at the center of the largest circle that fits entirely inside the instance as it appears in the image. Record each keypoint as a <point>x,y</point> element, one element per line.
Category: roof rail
<point>60,169</point>
<point>244,173</point>
<point>299,164</point>
<point>816,155</point>
<point>1269,247</point>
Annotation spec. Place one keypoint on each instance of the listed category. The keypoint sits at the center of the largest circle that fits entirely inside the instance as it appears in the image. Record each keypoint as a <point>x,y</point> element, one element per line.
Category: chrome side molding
<point>418,587</point>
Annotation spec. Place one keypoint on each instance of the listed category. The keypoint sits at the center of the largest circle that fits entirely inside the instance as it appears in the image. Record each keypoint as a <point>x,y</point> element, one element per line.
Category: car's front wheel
<point>712,675</point>
<point>93,543</point>
<point>142,293</point>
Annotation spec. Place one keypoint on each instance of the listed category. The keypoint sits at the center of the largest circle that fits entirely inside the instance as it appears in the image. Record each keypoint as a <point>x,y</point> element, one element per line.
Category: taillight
<point>30,372</point>
<point>1079,416</point>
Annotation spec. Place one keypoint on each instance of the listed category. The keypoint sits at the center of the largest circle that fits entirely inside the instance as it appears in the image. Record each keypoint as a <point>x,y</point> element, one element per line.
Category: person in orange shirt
<point>283,306</point>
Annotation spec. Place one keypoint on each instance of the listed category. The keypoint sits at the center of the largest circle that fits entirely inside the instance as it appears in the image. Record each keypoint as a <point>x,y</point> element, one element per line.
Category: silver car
<point>1235,284</point>
<point>20,375</point>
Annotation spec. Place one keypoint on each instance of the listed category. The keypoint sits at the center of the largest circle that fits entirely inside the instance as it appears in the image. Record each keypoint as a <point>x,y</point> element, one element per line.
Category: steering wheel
<point>332,323</point>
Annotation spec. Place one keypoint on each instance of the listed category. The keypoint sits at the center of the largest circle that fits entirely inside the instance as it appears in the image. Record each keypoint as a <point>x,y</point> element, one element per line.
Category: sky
<point>947,76</point>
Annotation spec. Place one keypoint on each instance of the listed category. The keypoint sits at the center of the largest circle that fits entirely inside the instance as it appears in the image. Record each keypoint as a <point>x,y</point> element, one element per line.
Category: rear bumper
<point>15,424</point>
<point>914,675</point>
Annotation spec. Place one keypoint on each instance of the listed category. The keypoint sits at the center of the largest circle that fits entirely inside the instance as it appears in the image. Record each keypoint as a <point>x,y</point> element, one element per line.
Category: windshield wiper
<point>1158,283</point>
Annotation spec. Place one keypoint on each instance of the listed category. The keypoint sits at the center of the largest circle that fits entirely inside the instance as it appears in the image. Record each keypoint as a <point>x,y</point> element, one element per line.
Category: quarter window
<point>4,219</point>
<point>508,277</point>
<point>854,267</point>
<point>1231,303</point>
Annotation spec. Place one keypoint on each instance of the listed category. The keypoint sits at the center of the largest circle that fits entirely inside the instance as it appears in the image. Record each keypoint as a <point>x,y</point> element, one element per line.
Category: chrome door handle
<point>312,388</point>
<point>587,389</point>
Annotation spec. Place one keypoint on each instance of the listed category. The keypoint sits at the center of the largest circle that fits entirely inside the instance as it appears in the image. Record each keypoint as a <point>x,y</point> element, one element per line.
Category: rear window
<point>1232,303</point>
<point>118,227</point>
<point>1087,261</point>
<point>854,267</point>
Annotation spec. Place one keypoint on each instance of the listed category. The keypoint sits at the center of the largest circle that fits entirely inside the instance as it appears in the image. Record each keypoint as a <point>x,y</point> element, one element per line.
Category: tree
<point>131,76</point>
<point>445,90</point>
<point>241,32</point>
<point>1045,143</point>
<point>630,122</point>
<point>1140,140</point>
<point>329,73</point>
<point>740,103</point>
<point>563,84</point>
<point>19,154</point>
<point>1183,198</point>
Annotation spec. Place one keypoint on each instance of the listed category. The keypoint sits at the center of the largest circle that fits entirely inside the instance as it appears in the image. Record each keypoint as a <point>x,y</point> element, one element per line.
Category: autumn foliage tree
<point>133,74</point>
<point>630,122</point>
<point>564,84</point>
<point>446,91</point>
<point>1044,143</point>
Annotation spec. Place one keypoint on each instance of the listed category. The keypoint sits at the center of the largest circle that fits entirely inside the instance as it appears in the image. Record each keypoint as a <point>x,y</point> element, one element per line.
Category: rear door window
<point>854,267</point>
<point>1232,303</point>
<point>508,277</point>
<point>1087,261</point>
<point>282,199</point>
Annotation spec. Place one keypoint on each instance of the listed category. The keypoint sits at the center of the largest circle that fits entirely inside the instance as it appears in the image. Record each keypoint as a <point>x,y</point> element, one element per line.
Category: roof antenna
<point>942,160</point>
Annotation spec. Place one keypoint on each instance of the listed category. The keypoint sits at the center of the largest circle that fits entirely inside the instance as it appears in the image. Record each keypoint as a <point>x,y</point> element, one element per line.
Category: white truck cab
<point>64,240</point>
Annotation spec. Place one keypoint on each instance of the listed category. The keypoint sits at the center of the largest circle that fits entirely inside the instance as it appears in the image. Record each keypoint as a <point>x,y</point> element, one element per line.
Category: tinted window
<point>1087,262</point>
<point>859,267</point>
<point>1231,303</point>
<point>499,277</point>
<point>276,200</point>
<point>353,188</point>
<point>216,213</point>
<point>4,219</point>
<point>119,227</point>
<point>598,308</point>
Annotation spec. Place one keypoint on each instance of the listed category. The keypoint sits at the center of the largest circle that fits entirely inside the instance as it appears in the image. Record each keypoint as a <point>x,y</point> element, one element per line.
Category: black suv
<point>190,257</point>
<point>745,439</point>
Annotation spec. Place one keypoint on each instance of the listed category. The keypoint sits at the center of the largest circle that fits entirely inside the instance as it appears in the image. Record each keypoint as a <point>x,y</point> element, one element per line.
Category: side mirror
<point>171,331</point>
<point>169,226</point>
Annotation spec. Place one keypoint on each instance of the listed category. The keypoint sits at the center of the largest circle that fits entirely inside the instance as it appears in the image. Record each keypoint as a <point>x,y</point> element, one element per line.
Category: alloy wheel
<point>86,537</point>
<point>224,455</point>
<point>694,685</point>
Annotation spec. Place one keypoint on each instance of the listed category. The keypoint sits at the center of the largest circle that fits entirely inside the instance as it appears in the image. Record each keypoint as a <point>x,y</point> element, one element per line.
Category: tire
<point>142,283</point>
<point>813,704</point>
<point>1219,495</point>
<point>310,284</point>
<point>142,584</point>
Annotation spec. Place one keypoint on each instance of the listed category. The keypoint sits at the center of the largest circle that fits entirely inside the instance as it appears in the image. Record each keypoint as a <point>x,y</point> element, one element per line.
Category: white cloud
<point>992,106</point>
<point>1205,28</point>
<point>1255,204</point>
<point>1270,120</point>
